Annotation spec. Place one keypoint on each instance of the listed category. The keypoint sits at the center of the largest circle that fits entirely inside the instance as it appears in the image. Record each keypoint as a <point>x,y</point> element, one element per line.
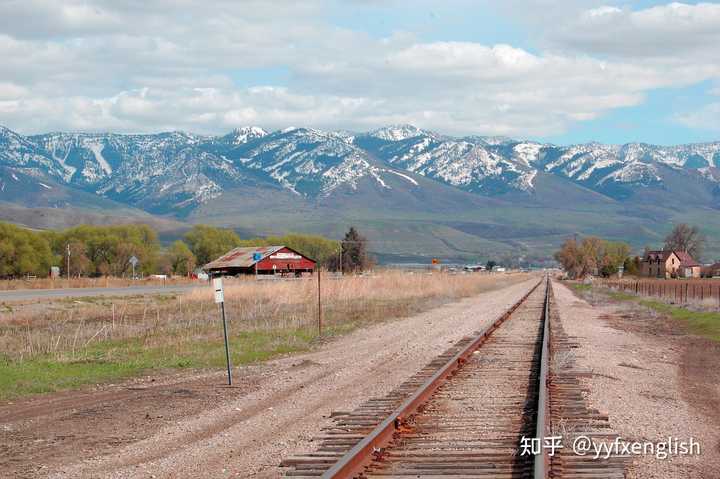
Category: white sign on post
<point>218,287</point>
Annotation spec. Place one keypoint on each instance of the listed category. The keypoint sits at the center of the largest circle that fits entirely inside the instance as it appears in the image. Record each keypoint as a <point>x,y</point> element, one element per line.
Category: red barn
<point>261,260</point>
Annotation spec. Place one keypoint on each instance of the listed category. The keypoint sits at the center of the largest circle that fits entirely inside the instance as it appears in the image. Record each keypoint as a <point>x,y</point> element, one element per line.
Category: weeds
<point>700,321</point>
<point>68,344</point>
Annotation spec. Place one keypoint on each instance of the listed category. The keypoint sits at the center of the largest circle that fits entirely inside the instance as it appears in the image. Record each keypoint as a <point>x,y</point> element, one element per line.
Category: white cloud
<point>706,118</point>
<point>665,31</point>
<point>11,91</point>
<point>161,64</point>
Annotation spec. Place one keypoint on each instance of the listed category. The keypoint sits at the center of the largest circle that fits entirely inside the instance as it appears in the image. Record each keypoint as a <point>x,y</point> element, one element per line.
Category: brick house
<point>669,264</point>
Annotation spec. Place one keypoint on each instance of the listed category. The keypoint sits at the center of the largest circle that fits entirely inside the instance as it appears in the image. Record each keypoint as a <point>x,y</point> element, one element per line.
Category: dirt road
<point>652,379</point>
<point>31,294</point>
<point>179,426</point>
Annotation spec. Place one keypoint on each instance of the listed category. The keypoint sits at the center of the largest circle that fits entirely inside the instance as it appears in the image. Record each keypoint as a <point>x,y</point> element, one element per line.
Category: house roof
<point>655,255</point>
<point>685,259</point>
<point>241,257</point>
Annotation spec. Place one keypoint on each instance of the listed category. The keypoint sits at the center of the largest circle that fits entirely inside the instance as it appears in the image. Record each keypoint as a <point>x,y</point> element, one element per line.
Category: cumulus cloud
<point>663,31</point>
<point>160,64</point>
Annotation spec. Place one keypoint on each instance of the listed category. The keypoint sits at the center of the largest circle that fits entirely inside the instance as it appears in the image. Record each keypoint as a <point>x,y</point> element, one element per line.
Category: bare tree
<point>685,238</point>
<point>592,255</point>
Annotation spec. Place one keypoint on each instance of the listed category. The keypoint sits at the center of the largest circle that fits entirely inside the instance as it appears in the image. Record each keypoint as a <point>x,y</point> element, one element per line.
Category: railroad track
<point>464,415</point>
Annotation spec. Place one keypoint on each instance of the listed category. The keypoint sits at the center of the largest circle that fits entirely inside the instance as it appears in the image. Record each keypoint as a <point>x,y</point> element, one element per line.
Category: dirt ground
<point>652,378</point>
<point>193,426</point>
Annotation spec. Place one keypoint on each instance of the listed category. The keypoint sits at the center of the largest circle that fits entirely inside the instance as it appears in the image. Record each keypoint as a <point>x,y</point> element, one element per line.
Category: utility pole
<point>68,262</point>
<point>341,258</point>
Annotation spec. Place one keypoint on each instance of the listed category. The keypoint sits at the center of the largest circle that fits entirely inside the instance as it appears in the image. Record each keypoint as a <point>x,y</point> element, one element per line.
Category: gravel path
<point>249,436</point>
<point>640,379</point>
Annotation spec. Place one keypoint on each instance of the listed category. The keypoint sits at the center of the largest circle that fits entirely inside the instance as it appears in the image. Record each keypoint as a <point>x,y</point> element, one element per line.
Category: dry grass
<point>64,329</point>
<point>266,318</point>
<point>103,282</point>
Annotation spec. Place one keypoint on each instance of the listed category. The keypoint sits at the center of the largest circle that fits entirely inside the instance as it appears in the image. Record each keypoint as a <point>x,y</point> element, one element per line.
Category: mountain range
<point>415,193</point>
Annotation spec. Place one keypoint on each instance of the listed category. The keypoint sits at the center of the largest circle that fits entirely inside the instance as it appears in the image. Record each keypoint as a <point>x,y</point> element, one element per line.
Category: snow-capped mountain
<point>242,135</point>
<point>493,165</point>
<point>176,172</point>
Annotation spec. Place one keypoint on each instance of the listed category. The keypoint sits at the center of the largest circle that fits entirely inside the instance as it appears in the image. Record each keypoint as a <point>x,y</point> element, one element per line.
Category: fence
<point>677,291</point>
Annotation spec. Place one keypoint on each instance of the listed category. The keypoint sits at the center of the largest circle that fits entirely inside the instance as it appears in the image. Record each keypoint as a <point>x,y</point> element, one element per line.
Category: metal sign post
<point>319,306</point>
<point>220,298</point>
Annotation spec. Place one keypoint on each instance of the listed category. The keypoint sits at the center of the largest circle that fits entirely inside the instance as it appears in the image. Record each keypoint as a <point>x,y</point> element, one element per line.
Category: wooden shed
<point>265,260</point>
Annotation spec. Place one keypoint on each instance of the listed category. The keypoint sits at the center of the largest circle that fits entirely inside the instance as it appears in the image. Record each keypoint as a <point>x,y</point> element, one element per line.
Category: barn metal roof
<point>241,257</point>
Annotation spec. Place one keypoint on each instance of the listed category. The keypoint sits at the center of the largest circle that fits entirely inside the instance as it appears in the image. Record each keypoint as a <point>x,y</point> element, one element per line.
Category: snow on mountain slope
<point>397,132</point>
<point>170,172</point>
<point>17,150</point>
<point>242,135</point>
<point>309,162</point>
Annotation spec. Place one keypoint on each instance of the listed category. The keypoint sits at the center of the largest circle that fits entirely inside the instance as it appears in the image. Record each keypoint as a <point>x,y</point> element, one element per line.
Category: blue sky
<point>556,71</point>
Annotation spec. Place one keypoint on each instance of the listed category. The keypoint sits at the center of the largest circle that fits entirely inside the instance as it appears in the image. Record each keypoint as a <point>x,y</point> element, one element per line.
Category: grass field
<point>68,343</point>
<point>701,322</point>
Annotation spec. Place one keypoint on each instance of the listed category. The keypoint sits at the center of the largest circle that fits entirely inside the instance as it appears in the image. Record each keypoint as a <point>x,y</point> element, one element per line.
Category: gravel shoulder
<point>651,378</point>
<point>202,429</point>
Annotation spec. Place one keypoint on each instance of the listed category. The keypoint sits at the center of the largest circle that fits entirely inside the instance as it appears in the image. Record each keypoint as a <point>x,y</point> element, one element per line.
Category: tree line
<point>91,250</point>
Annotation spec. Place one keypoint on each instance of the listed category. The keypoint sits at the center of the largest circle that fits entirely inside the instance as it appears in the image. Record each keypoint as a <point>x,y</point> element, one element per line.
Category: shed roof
<point>242,257</point>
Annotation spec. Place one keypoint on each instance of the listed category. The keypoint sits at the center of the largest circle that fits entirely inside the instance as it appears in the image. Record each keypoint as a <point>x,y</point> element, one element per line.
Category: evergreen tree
<point>354,252</point>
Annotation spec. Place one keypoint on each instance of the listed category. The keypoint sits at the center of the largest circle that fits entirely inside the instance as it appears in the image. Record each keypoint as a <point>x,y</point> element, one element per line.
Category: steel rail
<point>542,460</point>
<point>360,455</point>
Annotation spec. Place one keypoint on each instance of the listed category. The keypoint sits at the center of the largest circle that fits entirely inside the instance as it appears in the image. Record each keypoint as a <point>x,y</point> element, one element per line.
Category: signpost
<point>133,261</point>
<point>435,264</point>
<point>220,299</point>
<point>319,306</point>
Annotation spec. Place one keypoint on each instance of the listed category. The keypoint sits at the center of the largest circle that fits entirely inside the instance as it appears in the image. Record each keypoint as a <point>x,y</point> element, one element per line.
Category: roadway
<point>30,294</point>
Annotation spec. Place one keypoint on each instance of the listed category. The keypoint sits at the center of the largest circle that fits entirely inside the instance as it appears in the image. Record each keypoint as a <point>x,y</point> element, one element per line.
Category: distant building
<point>712,271</point>
<point>473,267</point>
<point>265,260</point>
<point>669,264</point>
